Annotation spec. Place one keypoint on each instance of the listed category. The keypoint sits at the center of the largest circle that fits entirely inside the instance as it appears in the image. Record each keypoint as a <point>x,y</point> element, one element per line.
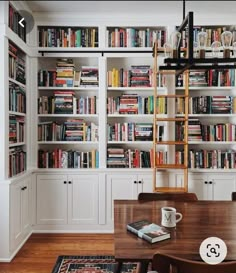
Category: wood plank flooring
<point>39,253</point>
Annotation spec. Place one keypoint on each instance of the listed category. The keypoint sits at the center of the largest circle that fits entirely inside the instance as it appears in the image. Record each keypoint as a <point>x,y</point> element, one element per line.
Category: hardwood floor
<point>39,253</point>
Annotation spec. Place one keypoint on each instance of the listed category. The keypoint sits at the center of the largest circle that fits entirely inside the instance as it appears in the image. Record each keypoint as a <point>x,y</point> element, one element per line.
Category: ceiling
<point>103,6</point>
<point>131,6</point>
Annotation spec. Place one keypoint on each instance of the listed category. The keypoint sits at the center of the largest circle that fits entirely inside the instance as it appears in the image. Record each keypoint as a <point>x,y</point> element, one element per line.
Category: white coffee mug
<point>168,217</point>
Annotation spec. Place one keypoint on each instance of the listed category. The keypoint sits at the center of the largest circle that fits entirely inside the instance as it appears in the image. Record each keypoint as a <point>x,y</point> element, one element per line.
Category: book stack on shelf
<point>17,110</point>
<point>134,37</point>
<point>130,131</point>
<point>211,77</point>
<point>67,36</point>
<point>16,129</point>
<point>131,104</point>
<point>118,157</point>
<point>89,76</point>
<point>70,130</point>
<point>136,76</point>
<point>13,22</point>
<point>65,73</point>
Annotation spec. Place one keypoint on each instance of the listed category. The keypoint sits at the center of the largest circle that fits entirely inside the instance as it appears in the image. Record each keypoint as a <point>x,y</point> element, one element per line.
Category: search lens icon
<point>213,250</point>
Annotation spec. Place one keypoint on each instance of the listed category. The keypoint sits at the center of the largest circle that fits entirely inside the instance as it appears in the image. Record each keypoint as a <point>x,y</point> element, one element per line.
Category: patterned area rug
<point>91,264</point>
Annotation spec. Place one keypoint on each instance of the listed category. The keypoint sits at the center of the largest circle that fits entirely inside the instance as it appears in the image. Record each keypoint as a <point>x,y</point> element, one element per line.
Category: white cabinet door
<point>119,187</point>
<point>83,199</point>
<point>198,183</point>
<point>16,217</point>
<point>26,206</point>
<point>221,186</point>
<point>51,199</point>
<point>145,183</point>
<point>20,211</point>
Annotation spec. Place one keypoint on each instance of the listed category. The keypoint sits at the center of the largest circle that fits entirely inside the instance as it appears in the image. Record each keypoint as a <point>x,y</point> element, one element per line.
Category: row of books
<point>130,131</point>
<point>14,18</point>
<point>127,158</point>
<point>67,104</point>
<point>209,78</point>
<point>16,64</point>
<point>135,104</point>
<point>17,98</point>
<point>17,161</point>
<point>70,130</point>
<point>67,37</point>
<point>133,37</point>
<point>68,77</point>
<point>209,132</point>
<point>213,34</point>
<point>16,129</point>
<point>136,76</point>
<point>207,105</point>
<point>59,158</point>
<point>208,159</point>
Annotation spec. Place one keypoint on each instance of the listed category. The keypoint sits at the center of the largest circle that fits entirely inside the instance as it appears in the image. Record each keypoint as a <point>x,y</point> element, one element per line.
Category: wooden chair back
<point>175,196</point>
<point>233,196</point>
<point>170,264</point>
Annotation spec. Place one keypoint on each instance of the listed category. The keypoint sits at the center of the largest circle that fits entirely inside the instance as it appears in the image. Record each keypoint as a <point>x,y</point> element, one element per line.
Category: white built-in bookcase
<point>102,185</point>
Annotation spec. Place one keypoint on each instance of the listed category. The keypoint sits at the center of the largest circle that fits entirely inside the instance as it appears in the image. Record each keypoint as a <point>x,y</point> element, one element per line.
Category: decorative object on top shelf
<point>226,38</point>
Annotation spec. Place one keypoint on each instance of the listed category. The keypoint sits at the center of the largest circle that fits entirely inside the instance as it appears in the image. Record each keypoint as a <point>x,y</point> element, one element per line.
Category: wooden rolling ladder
<point>173,118</point>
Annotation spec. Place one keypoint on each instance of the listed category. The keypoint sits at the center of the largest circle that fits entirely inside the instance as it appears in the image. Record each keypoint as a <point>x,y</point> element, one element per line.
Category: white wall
<point>138,12</point>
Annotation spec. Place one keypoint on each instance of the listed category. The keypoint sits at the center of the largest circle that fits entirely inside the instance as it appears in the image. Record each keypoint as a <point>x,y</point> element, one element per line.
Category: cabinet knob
<point>135,182</point>
<point>206,182</point>
<point>140,182</point>
<point>70,182</point>
<point>65,182</point>
<point>210,182</point>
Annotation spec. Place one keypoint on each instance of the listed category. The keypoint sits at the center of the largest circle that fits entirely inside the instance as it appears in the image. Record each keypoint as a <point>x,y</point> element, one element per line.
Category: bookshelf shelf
<point>80,88</point>
<point>67,115</point>
<point>138,116</point>
<point>212,142</point>
<point>131,142</point>
<point>17,82</point>
<point>69,142</point>
<point>16,144</point>
<point>17,113</point>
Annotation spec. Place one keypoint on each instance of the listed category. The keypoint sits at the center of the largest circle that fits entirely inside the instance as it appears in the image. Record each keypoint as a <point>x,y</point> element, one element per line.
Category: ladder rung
<point>171,166</point>
<point>171,119</point>
<point>171,143</point>
<point>171,96</point>
<point>171,189</point>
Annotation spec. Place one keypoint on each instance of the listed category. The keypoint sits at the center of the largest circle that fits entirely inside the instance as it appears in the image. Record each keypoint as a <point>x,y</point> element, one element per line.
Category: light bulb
<point>202,41</point>
<point>175,40</point>
<point>226,38</point>
<point>215,46</point>
<point>167,50</point>
<point>234,49</point>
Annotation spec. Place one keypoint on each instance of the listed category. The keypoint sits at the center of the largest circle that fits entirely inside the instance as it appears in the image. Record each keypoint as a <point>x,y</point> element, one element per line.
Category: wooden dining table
<point>201,219</point>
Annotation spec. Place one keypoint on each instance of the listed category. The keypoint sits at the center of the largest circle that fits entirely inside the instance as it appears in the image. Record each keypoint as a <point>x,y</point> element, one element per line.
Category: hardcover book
<point>148,231</point>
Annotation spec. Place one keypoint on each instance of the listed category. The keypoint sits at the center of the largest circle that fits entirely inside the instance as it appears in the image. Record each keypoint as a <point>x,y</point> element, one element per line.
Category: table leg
<point>118,267</point>
<point>144,266</point>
